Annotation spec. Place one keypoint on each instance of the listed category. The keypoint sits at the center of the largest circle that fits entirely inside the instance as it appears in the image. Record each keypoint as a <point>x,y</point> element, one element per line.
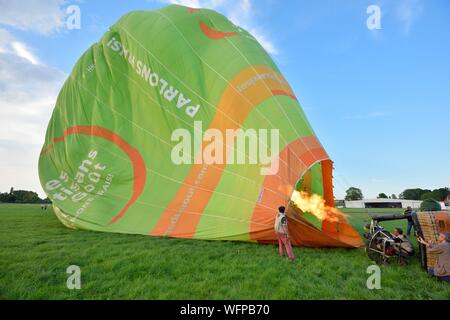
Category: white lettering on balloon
<point>88,182</point>
<point>167,91</point>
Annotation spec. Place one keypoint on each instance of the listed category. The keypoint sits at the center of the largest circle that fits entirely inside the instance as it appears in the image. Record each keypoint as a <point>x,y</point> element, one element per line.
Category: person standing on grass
<point>408,213</point>
<point>281,229</point>
<point>441,268</point>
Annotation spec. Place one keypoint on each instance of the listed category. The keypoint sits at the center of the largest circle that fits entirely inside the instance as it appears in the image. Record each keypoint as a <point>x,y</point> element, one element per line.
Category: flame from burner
<point>315,205</point>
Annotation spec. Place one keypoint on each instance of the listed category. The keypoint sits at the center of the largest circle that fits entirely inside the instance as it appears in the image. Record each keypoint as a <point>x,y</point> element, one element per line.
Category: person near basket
<point>402,245</point>
<point>408,213</point>
<point>281,229</point>
<point>441,249</point>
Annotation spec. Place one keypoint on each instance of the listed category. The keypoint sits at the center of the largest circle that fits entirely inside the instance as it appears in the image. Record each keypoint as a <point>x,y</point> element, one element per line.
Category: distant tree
<point>413,194</point>
<point>47,200</point>
<point>7,197</point>
<point>25,196</point>
<point>429,195</point>
<point>393,196</point>
<point>441,193</point>
<point>22,196</point>
<point>353,193</point>
<point>423,194</point>
<point>382,196</point>
<point>339,203</point>
<point>430,205</point>
<point>436,194</point>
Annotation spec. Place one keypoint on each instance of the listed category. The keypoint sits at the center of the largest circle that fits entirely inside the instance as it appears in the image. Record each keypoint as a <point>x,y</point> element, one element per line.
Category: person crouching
<point>402,246</point>
<point>281,229</point>
<point>441,268</point>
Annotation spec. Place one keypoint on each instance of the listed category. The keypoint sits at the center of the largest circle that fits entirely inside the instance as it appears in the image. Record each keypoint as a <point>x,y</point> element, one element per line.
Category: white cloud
<point>22,51</point>
<point>39,16</point>
<point>408,12</point>
<point>28,91</point>
<point>263,40</point>
<point>187,3</point>
<point>240,12</point>
<point>19,168</point>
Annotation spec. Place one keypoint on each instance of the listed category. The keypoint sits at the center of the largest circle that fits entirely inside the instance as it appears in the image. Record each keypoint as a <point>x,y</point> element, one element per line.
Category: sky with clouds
<point>379,100</point>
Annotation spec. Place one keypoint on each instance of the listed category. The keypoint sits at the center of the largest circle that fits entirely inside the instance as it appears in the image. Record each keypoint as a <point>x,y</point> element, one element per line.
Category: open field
<point>371,210</point>
<point>35,250</point>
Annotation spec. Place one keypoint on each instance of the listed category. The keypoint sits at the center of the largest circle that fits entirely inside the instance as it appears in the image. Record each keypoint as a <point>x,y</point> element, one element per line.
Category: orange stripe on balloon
<point>236,106</point>
<point>139,170</point>
<point>213,33</point>
<point>46,149</point>
<point>327,180</point>
<point>284,93</point>
<point>192,10</point>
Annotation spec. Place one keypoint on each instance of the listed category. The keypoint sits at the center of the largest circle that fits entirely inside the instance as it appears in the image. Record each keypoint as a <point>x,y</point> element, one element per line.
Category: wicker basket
<point>429,225</point>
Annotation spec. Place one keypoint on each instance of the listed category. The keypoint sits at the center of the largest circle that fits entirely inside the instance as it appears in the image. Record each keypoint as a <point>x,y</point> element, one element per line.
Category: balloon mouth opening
<point>309,195</point>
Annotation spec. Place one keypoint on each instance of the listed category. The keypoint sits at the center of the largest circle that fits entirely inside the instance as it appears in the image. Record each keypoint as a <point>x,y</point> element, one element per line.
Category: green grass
<point>36,250</point>
<point>360,218</point>
<point>373,210</point>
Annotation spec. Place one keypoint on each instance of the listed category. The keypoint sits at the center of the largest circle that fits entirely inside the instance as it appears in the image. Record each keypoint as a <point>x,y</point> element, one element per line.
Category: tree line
<point>352,193</point>
<point>440,194</point>
<point>22,196</point>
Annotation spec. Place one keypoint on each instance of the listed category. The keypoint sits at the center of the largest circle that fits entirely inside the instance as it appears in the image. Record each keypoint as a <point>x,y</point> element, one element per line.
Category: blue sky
<point>379,100</point>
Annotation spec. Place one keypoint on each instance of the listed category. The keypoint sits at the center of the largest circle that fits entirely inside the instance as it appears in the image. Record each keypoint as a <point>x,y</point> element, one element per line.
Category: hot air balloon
<point>117,157</point>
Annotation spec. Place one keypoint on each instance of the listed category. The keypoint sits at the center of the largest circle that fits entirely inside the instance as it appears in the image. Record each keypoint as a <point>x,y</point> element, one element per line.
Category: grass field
<point>36,250</point>
<point>375,211</point>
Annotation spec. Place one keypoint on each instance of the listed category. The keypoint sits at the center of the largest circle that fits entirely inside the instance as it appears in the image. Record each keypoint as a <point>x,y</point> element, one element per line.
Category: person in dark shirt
<point>408,213</point>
